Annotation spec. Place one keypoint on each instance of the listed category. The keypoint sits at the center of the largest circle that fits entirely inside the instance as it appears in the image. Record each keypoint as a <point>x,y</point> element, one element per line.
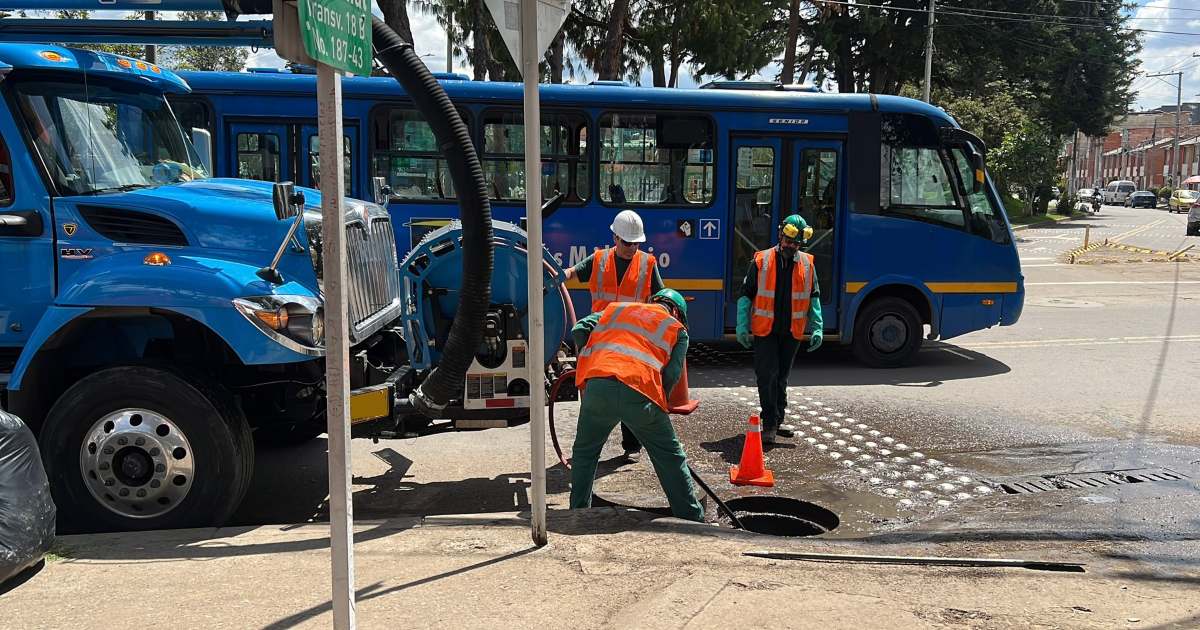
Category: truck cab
<point>156,322</point>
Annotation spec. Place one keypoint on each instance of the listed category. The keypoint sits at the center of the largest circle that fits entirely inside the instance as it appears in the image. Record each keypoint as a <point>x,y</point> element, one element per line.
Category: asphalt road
<point>1152,228</point>
<point>1100,374</point>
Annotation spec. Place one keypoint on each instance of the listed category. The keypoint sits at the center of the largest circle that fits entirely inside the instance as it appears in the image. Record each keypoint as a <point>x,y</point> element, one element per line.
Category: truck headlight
<point>296,322</point>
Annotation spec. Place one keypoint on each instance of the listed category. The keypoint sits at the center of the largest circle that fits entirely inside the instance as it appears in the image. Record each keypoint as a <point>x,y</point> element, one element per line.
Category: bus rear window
<point>656,159</point>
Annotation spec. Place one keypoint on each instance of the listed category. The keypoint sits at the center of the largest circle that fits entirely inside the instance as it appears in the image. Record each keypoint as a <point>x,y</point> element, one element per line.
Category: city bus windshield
<point>98,136</point>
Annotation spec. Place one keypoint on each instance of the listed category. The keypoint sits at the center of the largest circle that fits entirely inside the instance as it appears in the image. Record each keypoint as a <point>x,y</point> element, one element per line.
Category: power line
<point>1136,6</point>
<point>963,13</point>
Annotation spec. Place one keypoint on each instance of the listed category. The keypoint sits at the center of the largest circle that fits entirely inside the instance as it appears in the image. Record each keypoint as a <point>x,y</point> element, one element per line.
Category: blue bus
<point>911,242</point>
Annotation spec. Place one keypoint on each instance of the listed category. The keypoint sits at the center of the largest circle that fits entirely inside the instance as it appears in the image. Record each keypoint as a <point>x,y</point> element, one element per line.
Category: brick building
<point>1139,149</point>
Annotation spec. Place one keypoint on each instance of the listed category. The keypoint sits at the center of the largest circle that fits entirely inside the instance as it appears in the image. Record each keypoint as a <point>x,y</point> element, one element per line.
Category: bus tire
<point>887,333</point>
<point>140,447</point>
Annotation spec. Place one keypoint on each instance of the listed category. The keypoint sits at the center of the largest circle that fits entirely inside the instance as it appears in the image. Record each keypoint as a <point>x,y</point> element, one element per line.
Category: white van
<point>1118,191</point>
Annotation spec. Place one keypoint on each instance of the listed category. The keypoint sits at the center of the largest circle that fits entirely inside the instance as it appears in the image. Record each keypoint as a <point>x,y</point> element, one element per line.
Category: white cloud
<point>1166,52</point>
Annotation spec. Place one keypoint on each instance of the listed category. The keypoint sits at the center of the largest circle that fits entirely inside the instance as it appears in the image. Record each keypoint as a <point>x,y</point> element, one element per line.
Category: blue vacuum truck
<point>156,323</point>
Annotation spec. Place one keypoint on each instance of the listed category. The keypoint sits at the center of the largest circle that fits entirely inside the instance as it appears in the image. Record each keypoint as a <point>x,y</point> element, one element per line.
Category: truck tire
<point>140,447</point>
<point>887,333</point>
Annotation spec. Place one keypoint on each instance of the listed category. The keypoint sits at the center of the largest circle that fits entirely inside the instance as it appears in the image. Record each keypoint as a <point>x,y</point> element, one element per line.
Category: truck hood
<point>213,213</point>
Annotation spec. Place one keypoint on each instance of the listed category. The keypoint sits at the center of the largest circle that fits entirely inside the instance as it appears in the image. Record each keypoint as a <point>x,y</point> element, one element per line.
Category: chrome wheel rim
<point>137,463</point>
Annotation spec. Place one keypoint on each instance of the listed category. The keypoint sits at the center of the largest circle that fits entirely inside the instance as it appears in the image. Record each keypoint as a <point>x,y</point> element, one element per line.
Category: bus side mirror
<point>381,193</point>
<point>202,140</point>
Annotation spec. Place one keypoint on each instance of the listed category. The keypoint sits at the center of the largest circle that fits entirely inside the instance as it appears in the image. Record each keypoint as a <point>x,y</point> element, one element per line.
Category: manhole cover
<point>1089,480</point>
<point>1061,303</point>
<point>782,516</point>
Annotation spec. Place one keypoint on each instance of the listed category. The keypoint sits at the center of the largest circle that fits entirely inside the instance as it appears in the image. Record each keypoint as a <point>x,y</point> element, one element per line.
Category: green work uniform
<point>774,353</point>
<point>583,271</point>
<point>606,402</point>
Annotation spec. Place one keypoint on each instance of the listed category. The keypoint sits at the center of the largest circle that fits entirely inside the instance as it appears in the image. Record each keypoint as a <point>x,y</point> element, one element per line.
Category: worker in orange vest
<point>780,300</point>
<point>621,273</point>
<point>631,354</point>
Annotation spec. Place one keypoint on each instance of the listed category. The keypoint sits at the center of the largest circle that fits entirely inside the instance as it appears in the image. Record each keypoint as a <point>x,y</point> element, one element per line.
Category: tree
<point>395,14</point>
<point>788,75</point>
<point>128,50</point>
<point>226,58</point>
<point>1028,159</point>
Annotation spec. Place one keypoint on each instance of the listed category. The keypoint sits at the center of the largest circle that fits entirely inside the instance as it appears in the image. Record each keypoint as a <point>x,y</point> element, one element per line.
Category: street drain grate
<point>1089,480</point>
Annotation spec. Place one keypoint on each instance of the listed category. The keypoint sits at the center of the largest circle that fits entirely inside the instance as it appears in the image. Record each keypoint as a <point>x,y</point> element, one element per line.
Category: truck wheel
<point>887,333</point>
<point>133,448</point>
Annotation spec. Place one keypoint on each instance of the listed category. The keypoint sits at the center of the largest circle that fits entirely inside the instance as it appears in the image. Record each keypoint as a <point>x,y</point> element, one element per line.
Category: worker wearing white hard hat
<point>621,273</point>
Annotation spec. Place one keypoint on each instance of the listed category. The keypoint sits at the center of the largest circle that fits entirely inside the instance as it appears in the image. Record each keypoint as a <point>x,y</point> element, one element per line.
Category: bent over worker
<point>621,273</point>
<point>631,355</point>
<point>780,299</point>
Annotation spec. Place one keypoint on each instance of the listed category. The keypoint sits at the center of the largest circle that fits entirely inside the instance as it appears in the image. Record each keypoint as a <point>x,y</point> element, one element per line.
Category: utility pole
<point>1174,171</point>
<point>449,41</point>
<point>929,49</point>
<point>151,50</point>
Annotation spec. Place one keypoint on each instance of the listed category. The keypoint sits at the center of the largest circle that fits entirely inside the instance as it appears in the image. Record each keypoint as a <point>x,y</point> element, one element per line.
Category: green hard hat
<point>796,227</point>
<point>672,298</point>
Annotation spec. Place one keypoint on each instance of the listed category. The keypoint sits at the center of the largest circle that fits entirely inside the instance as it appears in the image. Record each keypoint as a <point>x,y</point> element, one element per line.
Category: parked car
<point>1182,200</point>
<point>1142,199</point>
<point>1117,191</point>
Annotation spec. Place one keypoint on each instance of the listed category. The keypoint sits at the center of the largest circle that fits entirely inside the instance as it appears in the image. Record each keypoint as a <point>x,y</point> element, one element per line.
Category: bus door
<point>813,192</point>
<point>310,160</point>
<point>754,210</point>
<point>261,151</point>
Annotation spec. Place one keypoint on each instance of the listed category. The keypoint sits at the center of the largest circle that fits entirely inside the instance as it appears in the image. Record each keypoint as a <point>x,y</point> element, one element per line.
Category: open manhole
<point>783,516</point>
<point>1089,480</point>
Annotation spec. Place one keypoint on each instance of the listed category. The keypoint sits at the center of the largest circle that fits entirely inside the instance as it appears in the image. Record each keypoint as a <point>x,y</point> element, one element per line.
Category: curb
<point>1029,226</point>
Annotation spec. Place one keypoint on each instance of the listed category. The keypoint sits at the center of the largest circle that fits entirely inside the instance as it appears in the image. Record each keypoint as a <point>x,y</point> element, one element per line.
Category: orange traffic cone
<point>752,471</point>
<point>678,401</point>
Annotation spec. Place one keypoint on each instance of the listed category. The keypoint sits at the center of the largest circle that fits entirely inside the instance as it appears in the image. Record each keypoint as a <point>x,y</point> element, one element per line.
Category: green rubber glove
<point>743,323</point>
<point>815,340</point>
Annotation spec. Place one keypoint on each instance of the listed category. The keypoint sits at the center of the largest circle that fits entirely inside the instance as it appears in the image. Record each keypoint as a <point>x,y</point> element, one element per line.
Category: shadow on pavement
<point>836,366</point>
<point>376,590</point>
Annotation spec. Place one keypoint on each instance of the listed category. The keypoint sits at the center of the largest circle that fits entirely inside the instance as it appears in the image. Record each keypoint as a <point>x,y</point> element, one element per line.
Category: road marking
<point>958,354</point>
<point>1095,282</point>
<point>1135,231</point>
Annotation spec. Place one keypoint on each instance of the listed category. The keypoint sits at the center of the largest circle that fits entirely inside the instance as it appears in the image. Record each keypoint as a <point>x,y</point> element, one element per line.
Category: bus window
<point>915,184</point>
<point>656,159</point>
<point>192,112</point>
<point>984,216</point>
<point>6,181</point>
<point>258,156</point>
<point>314,161</point>
<point>753,217</point>
<point>817,203</point>
<point>405,152</point>
<point>564,155</point>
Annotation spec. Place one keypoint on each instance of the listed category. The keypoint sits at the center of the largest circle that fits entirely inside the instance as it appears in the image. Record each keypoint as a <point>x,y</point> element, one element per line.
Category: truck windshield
<point>98,136</point>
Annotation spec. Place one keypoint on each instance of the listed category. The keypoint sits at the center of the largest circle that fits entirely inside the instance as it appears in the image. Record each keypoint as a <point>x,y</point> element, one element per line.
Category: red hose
<point>550,415</point>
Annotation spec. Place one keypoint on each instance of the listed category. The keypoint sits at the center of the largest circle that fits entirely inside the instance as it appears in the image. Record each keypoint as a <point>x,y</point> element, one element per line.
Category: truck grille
<point>374,289</point>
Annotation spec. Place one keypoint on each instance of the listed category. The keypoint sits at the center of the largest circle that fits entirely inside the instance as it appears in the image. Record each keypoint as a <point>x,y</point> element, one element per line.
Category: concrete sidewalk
<point>604,567</point>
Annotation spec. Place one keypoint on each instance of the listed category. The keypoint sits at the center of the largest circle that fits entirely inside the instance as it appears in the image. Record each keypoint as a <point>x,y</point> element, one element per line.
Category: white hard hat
<point>628,226</point>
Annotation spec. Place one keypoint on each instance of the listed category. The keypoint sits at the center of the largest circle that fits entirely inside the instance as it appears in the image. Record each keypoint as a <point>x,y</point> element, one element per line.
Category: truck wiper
<point>121,188</point>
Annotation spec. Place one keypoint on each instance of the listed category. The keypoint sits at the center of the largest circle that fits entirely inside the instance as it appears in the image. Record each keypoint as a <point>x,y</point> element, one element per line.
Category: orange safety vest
<point>762,318</point>
<point>634,287</point>
<point>632,342</point>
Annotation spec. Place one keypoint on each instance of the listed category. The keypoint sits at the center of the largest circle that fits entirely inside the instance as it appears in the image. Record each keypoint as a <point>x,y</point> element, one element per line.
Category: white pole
<point>929,50</point>
<point>537,325</point>
<point>337,345</point>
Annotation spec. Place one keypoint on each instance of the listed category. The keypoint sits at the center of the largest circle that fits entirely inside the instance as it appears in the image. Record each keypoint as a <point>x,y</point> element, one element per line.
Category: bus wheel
<point>133,448</point>
<point>887,333</point>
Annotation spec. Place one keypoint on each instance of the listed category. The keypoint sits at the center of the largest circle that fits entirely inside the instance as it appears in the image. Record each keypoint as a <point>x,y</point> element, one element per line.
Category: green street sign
<point>338,33</point>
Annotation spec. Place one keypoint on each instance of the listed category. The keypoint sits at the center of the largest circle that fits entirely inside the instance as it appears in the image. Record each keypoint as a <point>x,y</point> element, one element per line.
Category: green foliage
<point>1165,192</point>
<point>1027,160</point>
<point>226,58</point>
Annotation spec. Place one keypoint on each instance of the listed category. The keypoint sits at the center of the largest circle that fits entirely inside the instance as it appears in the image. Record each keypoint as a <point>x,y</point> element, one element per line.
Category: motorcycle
<point>1096,205</point>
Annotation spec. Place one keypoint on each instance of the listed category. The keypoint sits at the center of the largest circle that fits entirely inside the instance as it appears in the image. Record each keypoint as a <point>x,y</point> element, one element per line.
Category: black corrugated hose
<point>454,141</point>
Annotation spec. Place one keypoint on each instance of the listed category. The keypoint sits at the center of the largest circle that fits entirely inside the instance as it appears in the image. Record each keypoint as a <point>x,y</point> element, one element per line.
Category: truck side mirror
<point>381,192</point>
<point>288,203</point>
<point>202,140</point>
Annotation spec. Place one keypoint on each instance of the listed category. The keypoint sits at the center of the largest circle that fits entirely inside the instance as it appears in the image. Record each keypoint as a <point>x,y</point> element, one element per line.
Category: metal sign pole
<point>537,325</point>
<point>337,344</point>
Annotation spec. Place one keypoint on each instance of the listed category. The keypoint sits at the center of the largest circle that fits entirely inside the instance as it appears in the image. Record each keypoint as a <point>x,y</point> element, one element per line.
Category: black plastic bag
<point>26,509</point>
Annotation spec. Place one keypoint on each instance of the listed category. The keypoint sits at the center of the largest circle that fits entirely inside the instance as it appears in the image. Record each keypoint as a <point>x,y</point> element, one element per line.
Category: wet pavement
<point>1099,375</point>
